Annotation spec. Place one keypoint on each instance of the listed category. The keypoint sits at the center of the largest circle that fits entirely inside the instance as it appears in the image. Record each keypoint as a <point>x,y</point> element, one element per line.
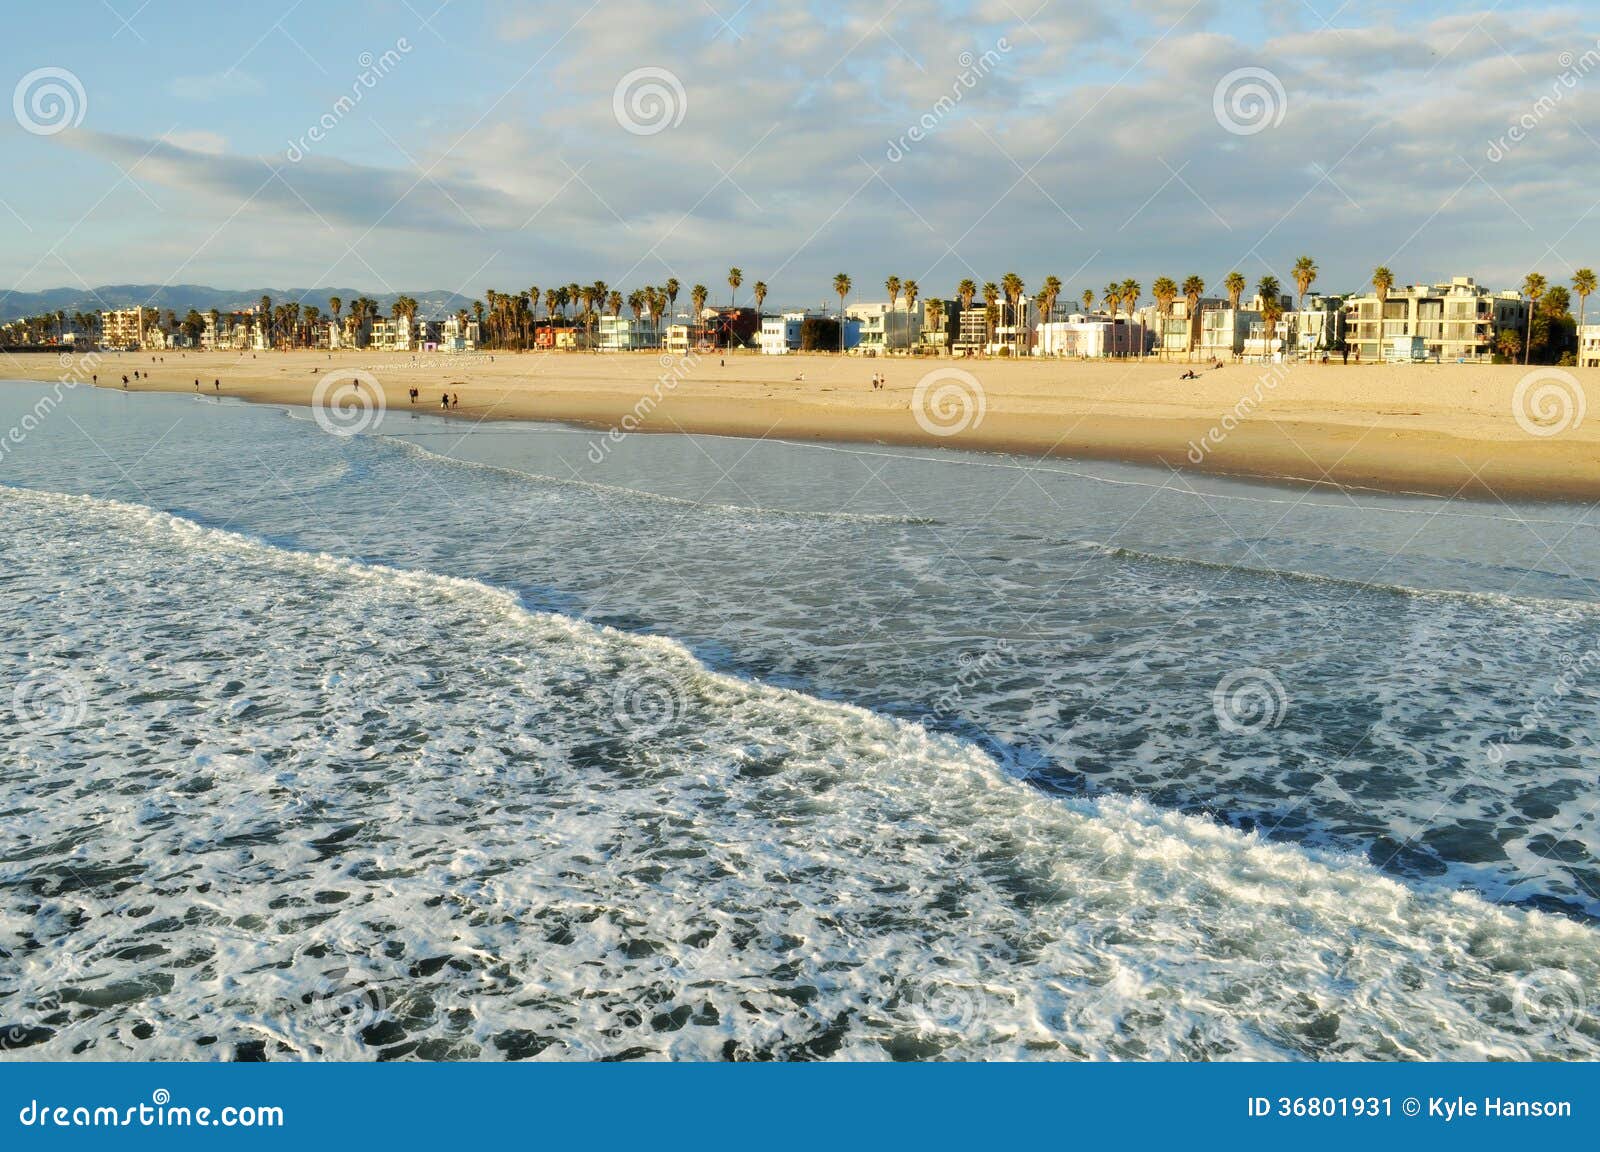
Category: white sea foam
<point>314,807</point>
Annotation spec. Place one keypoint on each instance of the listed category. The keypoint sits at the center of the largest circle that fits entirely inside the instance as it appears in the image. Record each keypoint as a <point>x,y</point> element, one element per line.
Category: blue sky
<point>1088,143</point>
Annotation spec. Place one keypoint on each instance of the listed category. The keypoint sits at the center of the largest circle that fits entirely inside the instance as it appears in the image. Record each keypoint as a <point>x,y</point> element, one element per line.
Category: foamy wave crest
<point>409,825</point>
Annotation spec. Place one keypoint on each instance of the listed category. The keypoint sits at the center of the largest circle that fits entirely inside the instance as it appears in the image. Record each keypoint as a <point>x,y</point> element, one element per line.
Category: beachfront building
<point>456,336</point>
<point>1174,334</point>
<point>936,335</point>
<point>128,329</point>
<point>628,334</point>
<point>780,335</point>
<point>1223,332</point>
<point>885,328</point>
<point>1589,346</point>
<point>1458,321</point>
<point>972,330</point>
<point>1089,336</point>
<point>1318,327</point>
<point>550,337</point>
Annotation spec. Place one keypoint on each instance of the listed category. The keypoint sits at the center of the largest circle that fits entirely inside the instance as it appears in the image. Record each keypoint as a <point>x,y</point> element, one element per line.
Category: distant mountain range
<point>180,298</point>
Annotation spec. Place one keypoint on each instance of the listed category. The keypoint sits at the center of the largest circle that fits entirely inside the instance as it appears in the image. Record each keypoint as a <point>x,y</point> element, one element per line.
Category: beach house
<point>1589,346</point>
<point>780,335</point>
<point>885,328</point>
<point>628,334</point>
<point>1458,321</point>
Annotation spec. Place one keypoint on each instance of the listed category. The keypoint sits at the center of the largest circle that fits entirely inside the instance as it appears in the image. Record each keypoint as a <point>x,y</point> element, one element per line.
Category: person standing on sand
<point>217,384</point>
<point>197,383</point>
<point>444,401</point>
<point>455,401</point>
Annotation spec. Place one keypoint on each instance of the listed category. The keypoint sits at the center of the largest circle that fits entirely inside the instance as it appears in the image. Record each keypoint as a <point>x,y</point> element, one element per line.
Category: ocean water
<point>500,742</point>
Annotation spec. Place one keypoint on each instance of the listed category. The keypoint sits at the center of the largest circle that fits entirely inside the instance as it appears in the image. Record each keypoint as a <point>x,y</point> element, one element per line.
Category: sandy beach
<point>1448,430</point>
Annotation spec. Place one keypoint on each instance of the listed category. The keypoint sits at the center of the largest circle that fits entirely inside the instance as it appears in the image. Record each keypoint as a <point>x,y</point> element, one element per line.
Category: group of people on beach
<point>879,381</point>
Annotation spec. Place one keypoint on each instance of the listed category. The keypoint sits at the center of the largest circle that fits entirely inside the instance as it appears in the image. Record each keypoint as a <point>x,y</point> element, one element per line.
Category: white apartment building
<point>1089,336</point>
<point>1458,321</point>
<point>628,334</point>
<point>780,335</point>
<point>128,329</point>
<point>455,336</point>
<point>1589,346</point>
<point>885,328</point>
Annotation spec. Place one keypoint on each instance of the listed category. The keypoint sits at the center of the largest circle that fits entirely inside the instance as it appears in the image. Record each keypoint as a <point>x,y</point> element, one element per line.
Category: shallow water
<point>460,743</point>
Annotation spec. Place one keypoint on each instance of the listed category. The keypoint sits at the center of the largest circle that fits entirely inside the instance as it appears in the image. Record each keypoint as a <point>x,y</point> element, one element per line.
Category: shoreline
<point>1419,430</point>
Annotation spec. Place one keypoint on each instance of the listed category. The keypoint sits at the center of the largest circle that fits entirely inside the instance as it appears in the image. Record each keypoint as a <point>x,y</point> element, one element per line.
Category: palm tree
<point>1382,281</point>
<point>1509,343</point>
<point>1052,293</point>
<point>1534,288</point>
<point>1271,293</point>
<point>266,321</point>
<point>671,289</point>
<point>1131,290</point>
<point>1087,300</point>
<point>892,286</point>
<point>1305,275</point>
<point>912,292</point>
<point>935,321</point>
<point>1234,285</point>
<point>841,289</point>
<point>1583,283</point>
<point>965,291</point>
<point>614,304</point>
<point>1112,300</point>
<point>1193,289</point>
<point>334,305</point>
<point>991,300</point>
<point>759,291</point>
<point>1165,291</point>
<point>1013,287</point>
<point>735,278</point>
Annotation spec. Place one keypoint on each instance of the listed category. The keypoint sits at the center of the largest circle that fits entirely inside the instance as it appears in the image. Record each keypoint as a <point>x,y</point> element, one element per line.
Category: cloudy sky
<point>408,144</point>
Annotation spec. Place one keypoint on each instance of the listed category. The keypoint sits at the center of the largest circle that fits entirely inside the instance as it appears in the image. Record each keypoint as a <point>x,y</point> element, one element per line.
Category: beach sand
<point>1448,430</point>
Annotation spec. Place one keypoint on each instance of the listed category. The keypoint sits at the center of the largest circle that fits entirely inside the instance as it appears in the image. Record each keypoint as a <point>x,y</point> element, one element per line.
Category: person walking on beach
<point>217,384</point>
<point>455,401</point>
<point>444,401</point>
<point>197,383</point>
